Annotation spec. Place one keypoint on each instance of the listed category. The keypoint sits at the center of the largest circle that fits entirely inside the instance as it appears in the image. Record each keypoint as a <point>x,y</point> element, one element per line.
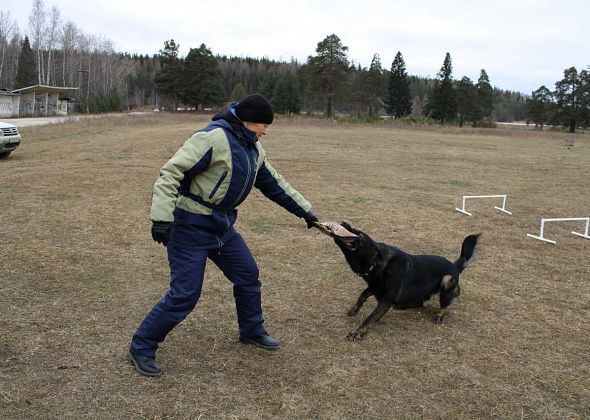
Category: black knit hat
<point>255,108</point>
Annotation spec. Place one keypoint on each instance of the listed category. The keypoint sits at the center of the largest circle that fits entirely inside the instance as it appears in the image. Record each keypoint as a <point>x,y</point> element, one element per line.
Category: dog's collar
<point>368,272</point>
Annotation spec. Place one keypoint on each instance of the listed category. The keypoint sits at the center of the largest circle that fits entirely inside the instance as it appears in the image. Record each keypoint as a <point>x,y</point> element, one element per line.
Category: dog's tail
<point>468,254</point>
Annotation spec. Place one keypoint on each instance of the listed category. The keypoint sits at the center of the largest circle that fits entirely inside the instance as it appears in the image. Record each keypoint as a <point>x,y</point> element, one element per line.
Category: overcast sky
<point>522,44</point>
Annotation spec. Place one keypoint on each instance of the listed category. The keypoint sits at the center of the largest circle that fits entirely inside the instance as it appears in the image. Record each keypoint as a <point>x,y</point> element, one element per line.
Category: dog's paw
<point>438,319</point>
<point>355,336</point>
<point>353,311</point>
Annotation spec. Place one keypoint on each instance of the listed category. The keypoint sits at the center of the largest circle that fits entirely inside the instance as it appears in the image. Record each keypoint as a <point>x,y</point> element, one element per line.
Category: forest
<point>57,53</point>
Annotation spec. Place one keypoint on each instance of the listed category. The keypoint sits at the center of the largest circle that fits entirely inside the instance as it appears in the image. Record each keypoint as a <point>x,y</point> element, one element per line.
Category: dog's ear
<point>348,227</point>
<point>345,224</point>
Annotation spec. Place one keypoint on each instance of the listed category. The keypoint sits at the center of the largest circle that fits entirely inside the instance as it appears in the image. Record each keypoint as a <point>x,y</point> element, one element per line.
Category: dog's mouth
<point>352,235</point>
<point>338,232</point>
<point>349,238</point>
<point>349,242</point>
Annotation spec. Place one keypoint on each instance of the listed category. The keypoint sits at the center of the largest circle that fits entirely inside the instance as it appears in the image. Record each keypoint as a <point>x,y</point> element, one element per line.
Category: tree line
<point>328,84</point>
<point>568,105</point>
<point>58,53</point>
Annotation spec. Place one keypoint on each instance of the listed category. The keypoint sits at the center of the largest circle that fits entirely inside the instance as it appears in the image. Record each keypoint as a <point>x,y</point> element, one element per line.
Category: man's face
<point>257,128</point>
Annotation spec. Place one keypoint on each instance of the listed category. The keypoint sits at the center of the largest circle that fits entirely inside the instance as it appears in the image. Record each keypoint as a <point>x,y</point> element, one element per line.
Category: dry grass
<point>78,271</point>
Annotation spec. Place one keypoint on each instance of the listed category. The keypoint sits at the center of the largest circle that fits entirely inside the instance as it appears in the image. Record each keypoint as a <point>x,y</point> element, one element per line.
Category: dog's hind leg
<point>449,290</point>
<point>439,316</point>
<point>381,309</point>
<point>367,293</point>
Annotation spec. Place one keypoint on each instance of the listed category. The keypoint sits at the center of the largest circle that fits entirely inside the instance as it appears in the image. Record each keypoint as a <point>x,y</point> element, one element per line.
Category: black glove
<point>161,232</point>
<point>311,219</point>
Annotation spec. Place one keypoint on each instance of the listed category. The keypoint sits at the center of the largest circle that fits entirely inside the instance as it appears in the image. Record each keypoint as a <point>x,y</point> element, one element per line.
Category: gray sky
<point>522,44</point>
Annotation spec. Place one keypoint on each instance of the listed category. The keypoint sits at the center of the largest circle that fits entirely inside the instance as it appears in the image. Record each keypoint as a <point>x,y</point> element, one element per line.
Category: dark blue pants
<point>187,267</point>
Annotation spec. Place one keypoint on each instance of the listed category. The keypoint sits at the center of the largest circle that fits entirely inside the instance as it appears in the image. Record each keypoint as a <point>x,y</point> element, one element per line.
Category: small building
<point>9,104</point>
<point>44,101</point>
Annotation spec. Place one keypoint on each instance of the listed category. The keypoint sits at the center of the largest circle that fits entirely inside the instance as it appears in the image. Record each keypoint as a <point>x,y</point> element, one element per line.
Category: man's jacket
<point>201,186</point>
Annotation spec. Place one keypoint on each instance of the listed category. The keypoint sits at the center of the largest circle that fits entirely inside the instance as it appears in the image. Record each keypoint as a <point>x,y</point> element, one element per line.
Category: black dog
<point>401,280</point>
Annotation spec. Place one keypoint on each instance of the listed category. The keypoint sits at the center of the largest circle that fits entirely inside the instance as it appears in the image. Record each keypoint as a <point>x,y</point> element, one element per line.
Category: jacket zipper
<point>226,221</point>
<point>246,183</point>
<point>214,190</point>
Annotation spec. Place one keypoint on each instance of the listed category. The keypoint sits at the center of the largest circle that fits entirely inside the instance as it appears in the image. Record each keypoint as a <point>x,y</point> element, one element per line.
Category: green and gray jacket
<point>201,186</point>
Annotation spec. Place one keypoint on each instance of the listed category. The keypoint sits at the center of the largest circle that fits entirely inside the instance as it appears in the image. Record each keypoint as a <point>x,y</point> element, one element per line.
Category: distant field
<point>78,271</point>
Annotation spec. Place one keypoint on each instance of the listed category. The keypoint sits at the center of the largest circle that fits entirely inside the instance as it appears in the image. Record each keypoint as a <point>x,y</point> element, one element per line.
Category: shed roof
<point>44,89</point>
<point>6,93</point>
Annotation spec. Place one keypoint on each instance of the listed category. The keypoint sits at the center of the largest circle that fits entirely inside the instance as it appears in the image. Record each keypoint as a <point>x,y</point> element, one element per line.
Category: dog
<point>401,280</point>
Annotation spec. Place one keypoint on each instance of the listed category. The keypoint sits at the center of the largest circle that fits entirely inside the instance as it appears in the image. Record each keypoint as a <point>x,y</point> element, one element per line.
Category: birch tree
<point>37,21</point>
<point>52,37</point>
<point>68,40</point>
<point>6,29</point>
<point>11,61</point>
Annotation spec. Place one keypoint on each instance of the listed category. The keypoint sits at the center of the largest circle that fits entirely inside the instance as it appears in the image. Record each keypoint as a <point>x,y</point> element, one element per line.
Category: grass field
<point>78,272</point>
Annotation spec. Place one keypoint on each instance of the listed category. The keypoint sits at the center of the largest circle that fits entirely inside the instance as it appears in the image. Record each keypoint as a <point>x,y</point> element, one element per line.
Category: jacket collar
<point>227,114</point>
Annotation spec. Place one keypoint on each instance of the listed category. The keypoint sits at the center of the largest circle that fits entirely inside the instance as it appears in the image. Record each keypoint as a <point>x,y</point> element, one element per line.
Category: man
<point>194,207</point>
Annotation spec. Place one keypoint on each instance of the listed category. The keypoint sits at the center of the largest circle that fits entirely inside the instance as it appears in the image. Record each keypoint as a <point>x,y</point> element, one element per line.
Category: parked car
<point>9,139</point>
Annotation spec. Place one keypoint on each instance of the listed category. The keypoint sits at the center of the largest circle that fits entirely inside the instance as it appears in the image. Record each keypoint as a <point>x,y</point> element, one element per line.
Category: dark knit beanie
<point>254,108</point>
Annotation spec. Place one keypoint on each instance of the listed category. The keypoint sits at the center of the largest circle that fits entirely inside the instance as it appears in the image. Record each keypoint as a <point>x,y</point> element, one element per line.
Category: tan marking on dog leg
<point>446,281</point>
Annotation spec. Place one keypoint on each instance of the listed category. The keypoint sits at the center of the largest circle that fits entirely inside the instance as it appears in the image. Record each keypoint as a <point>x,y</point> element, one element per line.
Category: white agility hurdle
<point>563,219</point>
<point>503,208</point>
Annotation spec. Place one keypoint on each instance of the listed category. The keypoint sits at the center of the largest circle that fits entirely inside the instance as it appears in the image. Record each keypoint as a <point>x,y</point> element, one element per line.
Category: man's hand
<point>161,232</point>
<point>311,219</point>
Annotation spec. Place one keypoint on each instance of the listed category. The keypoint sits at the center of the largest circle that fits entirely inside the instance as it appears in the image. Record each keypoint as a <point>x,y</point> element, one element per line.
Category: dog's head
<point>361,252</point>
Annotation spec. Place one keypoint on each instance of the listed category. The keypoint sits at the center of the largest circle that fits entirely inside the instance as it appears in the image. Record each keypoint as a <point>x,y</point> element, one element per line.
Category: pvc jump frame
<point>503,208</point>
<point>562,219</point>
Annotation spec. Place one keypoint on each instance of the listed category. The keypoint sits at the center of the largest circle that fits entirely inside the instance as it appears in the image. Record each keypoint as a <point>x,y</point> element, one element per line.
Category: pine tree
<point>374,85</point>
<point>238,93</point>
<point>169,80</point>
<point>202,78</point>
<point>467,101</point>
<point>399,102</point>
<point>443,105</point>
<point>329,68</point>
<point>485,95</point>
<point>585,97</point>
<point>540,106</point>
<point>269,83</point>
<point>285,98</point>
<point>569,94</point>
<point>26,73</point>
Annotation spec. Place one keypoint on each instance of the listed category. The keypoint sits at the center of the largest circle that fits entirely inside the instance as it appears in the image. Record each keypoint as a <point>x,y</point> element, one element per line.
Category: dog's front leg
<point>381,309</point>
<point>360,301</point>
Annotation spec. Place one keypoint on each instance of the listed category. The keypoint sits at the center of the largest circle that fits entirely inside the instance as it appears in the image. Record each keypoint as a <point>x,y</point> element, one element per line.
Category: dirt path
<point>27,122</point>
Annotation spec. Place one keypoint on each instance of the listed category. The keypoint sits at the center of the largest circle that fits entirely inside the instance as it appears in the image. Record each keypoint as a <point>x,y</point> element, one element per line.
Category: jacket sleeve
<point>192,158</point>
<point>274,186</point>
